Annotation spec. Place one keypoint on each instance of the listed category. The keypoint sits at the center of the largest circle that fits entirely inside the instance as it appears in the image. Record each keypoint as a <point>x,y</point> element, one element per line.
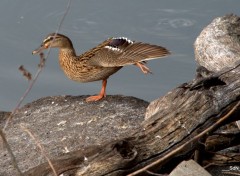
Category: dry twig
<point>10,153</point>
<point>44,153</point>
<point>40,68</point>
<point>32,81</point>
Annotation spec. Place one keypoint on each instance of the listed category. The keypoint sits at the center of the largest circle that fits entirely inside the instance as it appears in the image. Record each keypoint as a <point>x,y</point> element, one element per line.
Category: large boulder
<point>67,123</point>
<point>218,45</point>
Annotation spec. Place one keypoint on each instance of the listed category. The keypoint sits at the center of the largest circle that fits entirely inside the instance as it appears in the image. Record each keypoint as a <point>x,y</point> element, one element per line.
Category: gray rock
<point>189,168</point>
<point>67,123</point>
<point>218,45</point>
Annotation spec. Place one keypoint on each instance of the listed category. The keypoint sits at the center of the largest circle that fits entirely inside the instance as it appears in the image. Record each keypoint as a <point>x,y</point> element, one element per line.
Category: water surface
<point>174,24</point>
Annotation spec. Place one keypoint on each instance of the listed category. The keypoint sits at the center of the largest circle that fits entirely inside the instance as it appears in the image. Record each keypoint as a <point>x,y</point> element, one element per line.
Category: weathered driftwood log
<point>175,125</point>
<point>220,141</point>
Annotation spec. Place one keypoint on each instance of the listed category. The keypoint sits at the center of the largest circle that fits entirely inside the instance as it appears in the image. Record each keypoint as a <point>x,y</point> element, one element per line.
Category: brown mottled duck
<point>102,61</point>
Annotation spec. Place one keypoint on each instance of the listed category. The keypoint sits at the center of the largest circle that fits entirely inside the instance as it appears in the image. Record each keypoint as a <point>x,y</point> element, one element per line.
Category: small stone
<point>189,168</point>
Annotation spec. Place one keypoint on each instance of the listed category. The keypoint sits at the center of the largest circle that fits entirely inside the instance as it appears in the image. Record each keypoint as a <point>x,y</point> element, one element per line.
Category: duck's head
<point>54,40</point>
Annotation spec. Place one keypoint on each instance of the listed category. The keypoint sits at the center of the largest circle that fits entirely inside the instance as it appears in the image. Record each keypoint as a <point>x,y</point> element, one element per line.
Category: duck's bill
<point>39,50</point>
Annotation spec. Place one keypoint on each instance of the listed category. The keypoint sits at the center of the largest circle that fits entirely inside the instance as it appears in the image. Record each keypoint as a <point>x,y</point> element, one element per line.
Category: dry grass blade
<point>32,81</point>
<point>231,173</point>
<point>155,174</point>
<point>44,153</point>
<point>10,153</point>
<point>40,68</point>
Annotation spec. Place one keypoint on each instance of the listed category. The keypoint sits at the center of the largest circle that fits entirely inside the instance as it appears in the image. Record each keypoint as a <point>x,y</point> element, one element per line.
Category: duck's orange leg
<point>101,94</point>
<point>143,67</point>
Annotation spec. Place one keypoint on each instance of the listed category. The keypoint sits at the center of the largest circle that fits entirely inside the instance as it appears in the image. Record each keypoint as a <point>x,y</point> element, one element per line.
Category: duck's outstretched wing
<point>121,51</point>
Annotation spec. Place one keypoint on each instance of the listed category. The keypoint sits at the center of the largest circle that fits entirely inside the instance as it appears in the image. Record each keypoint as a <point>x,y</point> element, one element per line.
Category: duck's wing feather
<point>121,51</point>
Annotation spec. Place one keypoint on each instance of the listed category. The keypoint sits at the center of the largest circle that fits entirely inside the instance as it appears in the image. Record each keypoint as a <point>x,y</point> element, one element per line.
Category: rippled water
<point>174,24</point>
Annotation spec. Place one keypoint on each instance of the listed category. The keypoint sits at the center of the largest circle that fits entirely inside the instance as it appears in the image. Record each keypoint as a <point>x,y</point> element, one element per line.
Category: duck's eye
<point>50,38</point>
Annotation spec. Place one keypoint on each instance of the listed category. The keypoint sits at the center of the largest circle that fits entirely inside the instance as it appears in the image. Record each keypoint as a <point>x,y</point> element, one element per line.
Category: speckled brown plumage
<point>102,61</point>
<point>78,69</point>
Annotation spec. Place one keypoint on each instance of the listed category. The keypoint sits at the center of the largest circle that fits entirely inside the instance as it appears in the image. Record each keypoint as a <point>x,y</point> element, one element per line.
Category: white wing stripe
<point>124,38</point>
<point>113,49</point>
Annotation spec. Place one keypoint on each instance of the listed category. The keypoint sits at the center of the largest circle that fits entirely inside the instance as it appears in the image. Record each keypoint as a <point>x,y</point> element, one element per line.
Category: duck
<point>101,61</point>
